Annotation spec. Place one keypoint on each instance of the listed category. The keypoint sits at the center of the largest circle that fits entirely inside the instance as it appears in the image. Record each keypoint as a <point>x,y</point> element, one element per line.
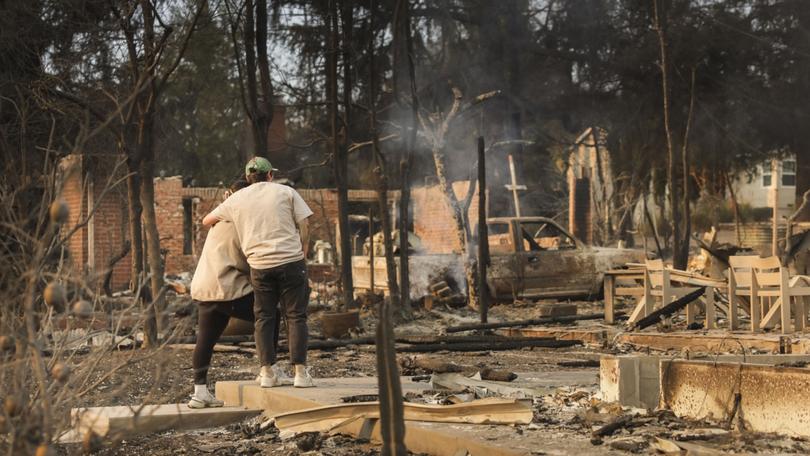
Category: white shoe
<point>199,401</point>
<point>303,379</point>
<point>276,377</point>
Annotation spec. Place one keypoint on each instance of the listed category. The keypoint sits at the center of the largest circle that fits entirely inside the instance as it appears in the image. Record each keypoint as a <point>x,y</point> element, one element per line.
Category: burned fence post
<point>371,249</point>
<point>483,234</point>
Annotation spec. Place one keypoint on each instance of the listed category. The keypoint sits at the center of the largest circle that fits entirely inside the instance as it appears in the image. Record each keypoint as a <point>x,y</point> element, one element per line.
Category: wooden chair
<point>668,285</point>
<point>771,292</point>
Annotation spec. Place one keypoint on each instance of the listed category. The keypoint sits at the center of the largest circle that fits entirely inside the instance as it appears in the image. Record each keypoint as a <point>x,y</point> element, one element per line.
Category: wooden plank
<point>122,421</point>
<point>333,417</point>
<point>587,336</point>
<point>609,285</point>
<point>769,320</point>
<point>640,307</point>
<point>713,342</point>
<point>429,438</point>
<point>648,298</point>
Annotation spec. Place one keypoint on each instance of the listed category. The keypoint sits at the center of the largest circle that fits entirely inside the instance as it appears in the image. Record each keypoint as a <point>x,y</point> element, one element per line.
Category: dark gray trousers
<point>287,287</point>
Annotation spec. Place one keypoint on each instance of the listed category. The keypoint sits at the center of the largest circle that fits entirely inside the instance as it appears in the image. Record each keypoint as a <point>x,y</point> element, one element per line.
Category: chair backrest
<point>655,270</point>
<point>740,266</point>
<point>768,272</point>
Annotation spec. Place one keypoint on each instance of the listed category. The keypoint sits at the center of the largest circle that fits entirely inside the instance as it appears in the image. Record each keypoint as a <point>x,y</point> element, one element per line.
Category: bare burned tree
<point>391,406</point>
<point>151,64</point>
<point>339,148</point>
<point>249,27</point>
<point>436,126</point>
<point>403,52</point>
<point>678,191</point>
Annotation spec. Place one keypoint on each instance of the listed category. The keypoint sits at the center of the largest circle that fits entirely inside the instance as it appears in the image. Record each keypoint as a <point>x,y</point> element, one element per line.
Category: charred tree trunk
<point>259,102</point>
<point>381,173</point>
<point>135,212</point>
<point>403,62</point>
<point>483,233</point>
<point>460,222</point>
<point>391,407</point>
<point>145,147</point>
<point>674,188</point>
<point>339,153</point>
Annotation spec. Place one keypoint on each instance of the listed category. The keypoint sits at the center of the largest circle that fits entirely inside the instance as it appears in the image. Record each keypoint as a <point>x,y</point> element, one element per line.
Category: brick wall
<point>110,229</point>
<point>73,195</point>
<point>433,219</point>
<point>83,188</point>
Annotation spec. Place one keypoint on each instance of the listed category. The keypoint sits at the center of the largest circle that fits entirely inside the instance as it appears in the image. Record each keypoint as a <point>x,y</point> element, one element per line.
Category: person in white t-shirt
<point>271,223</point>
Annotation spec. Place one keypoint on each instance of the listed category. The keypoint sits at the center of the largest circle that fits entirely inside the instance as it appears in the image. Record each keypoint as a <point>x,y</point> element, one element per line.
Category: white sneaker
<point>199,401</point>
<point>281,375</point>
<point>303,379</point>
<point>277,377</point>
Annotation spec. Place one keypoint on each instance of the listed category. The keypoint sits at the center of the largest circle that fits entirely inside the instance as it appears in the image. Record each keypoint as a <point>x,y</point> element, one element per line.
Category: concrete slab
<point>770,399</point>
<point>137,420</point>
<point>433,438</point>
<point>714,342</point>
<point>634,380</point>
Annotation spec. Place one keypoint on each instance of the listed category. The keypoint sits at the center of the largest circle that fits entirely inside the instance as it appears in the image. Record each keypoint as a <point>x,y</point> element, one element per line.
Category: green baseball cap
<point>258,165</point>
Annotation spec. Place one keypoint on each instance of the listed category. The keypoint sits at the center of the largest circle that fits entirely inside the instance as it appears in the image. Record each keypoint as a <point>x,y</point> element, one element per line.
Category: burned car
<point>534,257</point>
<point>530,257</point>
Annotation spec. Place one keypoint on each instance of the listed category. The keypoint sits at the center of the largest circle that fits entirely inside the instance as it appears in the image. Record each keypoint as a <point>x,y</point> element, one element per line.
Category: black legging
<point>213,317</point>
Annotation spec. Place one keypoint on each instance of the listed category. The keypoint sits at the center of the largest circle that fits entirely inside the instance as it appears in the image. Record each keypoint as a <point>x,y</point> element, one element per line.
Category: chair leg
<point>756,303</point>
<point>731,315</point>
<point>787,301</point>
<point>800,311</point>
<point>710,317</point>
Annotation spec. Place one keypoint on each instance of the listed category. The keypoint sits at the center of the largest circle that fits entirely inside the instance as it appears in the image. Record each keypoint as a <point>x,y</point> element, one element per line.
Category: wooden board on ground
<point>120,421</point>
<point>714,342</point>
<point>438,439</point>
<point>333,417</point>
<point>587,336</point>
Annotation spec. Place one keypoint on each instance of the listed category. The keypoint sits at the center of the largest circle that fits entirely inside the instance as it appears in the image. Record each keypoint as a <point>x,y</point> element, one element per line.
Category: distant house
<point>754,188</point>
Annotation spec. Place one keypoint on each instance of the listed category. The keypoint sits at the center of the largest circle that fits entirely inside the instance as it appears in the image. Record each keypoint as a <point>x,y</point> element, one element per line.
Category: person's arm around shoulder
<point>220,213</point>
<point>301,213</point>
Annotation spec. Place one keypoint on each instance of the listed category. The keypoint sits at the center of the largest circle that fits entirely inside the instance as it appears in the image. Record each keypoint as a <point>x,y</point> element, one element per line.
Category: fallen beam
<point>714,342</point>
<point>598,337</point>
<point>756,398</point>
<point>530,322</point>
<point>332,417</point>
<point>489,346</point>
<point>124,421</point>
<point>669,309</point>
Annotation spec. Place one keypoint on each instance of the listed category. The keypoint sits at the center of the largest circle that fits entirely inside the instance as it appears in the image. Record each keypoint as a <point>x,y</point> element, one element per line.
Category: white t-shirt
<point>222,273</point>
<point>265,215</point>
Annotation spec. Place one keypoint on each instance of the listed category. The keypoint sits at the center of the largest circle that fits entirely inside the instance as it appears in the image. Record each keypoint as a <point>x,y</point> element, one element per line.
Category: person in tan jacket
<point>221,289</point>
